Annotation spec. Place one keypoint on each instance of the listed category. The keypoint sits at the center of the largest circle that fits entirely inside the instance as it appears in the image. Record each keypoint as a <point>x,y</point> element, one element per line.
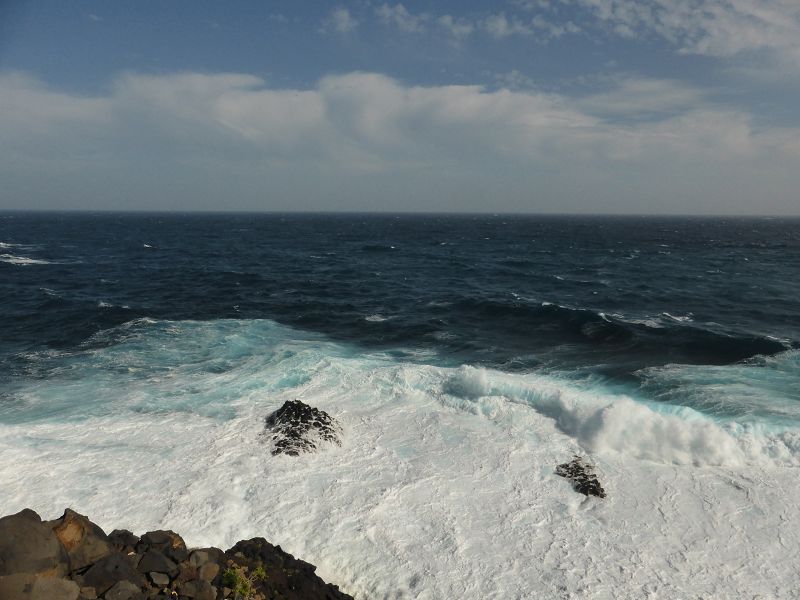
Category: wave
<point>444,485</point>
<point>22,260</point>
<point>602,421</point>
<point>677,426</point>
<point>655,340</point>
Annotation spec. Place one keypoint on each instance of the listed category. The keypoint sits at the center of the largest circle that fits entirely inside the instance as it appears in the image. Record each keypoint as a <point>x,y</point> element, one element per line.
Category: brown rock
<point>84,541</point>
<point>198,590</point>
<point>26,586</point>
<point>208,572</point>
<point>28,546</point>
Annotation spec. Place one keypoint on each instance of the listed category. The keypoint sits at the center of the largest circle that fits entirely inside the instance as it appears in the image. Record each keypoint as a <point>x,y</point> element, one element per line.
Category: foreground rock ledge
<point>71,558</point>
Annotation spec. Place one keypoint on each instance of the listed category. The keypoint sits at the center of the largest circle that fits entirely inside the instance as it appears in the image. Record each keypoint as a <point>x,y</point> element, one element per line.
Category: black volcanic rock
<point>297,427</point>
<point>110,570</point>
<point>582,476</point>
<point>286,577</point>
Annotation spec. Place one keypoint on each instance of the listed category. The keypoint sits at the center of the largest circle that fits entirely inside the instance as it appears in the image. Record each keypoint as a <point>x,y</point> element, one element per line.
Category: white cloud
<point>399,16</point>
<point>638,97</point>
<point>340,20</point>
<point>499,26</point>
<point>458,29</point>
<point>352,140</point>
<point>720,28</point>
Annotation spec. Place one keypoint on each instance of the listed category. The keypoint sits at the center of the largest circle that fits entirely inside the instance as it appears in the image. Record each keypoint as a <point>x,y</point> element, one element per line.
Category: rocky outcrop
<point>71,558</point>
<point>29,546</point>
<point>297,427</point>
<point>582,476</point>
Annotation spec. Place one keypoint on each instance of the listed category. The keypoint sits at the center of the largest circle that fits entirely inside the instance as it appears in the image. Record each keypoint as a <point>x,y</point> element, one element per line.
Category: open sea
<point>465,358</point>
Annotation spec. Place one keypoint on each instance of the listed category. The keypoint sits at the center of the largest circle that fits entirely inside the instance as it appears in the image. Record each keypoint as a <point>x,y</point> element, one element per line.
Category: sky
<point>524,106</point>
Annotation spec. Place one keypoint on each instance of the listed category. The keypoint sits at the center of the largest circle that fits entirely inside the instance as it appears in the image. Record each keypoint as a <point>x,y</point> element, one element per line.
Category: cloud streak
<point>358,137</point>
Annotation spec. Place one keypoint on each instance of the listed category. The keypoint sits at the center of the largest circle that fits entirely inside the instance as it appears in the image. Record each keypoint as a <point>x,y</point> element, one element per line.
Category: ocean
<point>465,357</point>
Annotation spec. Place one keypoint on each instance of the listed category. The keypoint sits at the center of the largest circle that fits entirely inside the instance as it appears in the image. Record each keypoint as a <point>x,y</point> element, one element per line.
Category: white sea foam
<point>375,318</point>
<point>444,486</point>
<point>22,260</point>
<point>679,318</point>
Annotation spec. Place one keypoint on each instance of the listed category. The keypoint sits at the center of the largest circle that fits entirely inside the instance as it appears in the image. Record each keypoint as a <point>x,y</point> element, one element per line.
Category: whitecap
<point>444,486</point>
<point>22,260</point>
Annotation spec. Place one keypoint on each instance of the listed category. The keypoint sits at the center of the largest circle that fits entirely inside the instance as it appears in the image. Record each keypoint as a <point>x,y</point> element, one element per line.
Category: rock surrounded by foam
<point>582,476</point>
<point>298,427</point>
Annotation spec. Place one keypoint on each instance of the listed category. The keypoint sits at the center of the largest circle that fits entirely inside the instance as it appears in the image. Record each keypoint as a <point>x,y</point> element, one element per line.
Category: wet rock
<point>169,543</point>
<point>582,476</point>
<point>84,541</point>
<point>29,546</point>
<point>297,427</point>
<point>110,570</point>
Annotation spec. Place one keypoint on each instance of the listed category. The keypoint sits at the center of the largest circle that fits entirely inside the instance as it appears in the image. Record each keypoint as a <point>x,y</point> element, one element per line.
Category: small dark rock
<point>169,543</point>
<point>123,540</point>
<point>297,427</point>
<point>582,476</point>
<point>29,546</point>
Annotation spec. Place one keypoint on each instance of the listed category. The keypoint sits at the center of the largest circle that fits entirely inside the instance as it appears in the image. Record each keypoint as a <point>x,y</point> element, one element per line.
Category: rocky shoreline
<point>71,558</point>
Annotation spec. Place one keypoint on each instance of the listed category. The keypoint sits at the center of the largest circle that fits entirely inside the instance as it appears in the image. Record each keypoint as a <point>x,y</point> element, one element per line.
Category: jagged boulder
<point>84,541</point>
<point>582,476</point>
<point>27,545</point>
<point>297,427</point>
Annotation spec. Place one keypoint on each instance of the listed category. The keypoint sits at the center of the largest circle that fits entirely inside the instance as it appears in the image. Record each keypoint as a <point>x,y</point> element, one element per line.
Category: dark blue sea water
<point>652,305</point>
